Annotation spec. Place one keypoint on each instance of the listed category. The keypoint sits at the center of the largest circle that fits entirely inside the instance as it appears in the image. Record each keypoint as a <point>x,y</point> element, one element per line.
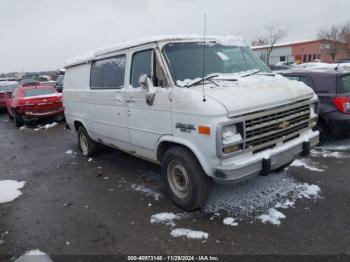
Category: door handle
<point>130,100</point>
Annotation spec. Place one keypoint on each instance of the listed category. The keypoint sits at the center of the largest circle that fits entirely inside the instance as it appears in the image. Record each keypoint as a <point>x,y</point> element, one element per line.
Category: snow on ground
<point>23,127</point>
<point>9,190</point>
<point>306,163</point>
<point>230,221</point>
<point>342,145</point>
<point>255,196</point>
<point>34,256</point>
<point>147,191</point>
<point>47,126</point>
<point>329,154</point>
<point>273,216</point>
<point>165,218</point>
<point>190,234</point>
<point>69,152</point>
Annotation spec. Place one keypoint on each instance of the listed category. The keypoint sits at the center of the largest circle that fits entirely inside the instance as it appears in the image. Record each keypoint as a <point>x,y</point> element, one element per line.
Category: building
<point>304,51</point>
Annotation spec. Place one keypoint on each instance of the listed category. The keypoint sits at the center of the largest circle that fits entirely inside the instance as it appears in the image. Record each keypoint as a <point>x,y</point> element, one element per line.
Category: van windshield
<point>185,60</point>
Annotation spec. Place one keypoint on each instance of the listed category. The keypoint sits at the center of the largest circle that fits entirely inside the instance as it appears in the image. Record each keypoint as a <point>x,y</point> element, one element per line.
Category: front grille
<point>267,127</point>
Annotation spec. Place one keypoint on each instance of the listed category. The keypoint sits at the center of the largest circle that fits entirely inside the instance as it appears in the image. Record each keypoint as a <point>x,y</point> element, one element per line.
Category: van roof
<point>224,40</point>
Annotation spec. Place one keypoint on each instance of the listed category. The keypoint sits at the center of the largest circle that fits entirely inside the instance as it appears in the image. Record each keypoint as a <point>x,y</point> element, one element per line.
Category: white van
<point>205,109</point>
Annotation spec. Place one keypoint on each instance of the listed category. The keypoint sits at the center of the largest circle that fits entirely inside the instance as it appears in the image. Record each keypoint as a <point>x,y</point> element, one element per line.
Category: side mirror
<point>145,82</point>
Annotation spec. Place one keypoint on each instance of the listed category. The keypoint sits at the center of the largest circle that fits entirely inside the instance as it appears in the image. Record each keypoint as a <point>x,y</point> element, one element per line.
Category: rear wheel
<point>184,178</point>
<point>87,146</point>
<point>18,118</point>
<point>9,115</point>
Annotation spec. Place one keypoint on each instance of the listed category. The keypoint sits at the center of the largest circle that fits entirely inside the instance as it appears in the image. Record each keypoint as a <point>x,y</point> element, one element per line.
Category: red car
<point>6,88</point>
<point>32,102</point>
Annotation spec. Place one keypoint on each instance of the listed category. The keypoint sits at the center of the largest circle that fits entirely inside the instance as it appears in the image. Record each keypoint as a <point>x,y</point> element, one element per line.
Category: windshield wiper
<point>258,72</point>
<point>201,80</point>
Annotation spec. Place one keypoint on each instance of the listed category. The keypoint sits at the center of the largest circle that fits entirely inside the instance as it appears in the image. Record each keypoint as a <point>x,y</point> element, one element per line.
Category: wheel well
<point>77,124</point>
<point>324,122</point>
<point>166,145</point>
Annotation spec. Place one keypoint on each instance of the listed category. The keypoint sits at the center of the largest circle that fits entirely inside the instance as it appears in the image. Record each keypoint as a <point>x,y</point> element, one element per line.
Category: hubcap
<point>178,179</point>
<point>84,145</point>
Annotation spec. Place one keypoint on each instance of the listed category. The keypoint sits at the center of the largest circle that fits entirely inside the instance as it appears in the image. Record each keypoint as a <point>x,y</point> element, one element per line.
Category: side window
<point>303,79</point>
<point>142,63</point>
<point>108,73</point>
<point>295,78</point>
<point>306,81</point>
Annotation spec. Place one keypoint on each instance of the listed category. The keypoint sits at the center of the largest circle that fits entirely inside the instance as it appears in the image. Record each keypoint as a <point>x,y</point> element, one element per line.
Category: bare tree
<point>346,36</point>
<point>338,37</point>
<point>271,35</point>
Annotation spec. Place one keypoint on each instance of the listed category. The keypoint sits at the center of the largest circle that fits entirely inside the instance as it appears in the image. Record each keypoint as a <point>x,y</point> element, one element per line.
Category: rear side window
<point>343,84</point>
<point>108,73</point>
<point>142,63</point>
<point>38,92</point>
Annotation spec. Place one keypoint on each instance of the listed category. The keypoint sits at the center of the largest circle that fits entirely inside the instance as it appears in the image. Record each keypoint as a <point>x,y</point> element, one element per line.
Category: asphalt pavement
<point>111,204</point>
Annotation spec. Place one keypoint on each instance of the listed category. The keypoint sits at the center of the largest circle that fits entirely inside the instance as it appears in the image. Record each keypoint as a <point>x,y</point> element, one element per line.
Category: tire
<point>184,178</point>
<point>325,133</point>
<point>87,146</point>
<point>17,117</point>
<point>9,115</point>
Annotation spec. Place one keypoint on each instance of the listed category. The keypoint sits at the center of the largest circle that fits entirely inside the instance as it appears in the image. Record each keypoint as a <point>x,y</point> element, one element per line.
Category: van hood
<point>257,92</point>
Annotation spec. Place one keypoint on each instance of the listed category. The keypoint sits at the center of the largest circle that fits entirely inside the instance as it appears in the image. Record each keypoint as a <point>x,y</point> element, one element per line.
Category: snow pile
<point>257,195</point>
<point>34,256</point>
<point>147,191</point>
<point>306,164</point>
<point>231,40</point>
<point>190,234</point>
<point>165,218</point>
<point>23,128</point>
<point>9,190</point>
<point>230,221</point>
<point>69,152</point>
<point>273,216</point>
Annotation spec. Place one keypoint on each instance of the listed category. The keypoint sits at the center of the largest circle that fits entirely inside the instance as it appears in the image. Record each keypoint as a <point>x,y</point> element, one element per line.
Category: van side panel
<point>76,95</point>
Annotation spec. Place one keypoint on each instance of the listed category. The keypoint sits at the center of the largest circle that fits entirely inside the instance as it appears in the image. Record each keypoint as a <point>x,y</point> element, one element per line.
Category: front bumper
<point>266,161</point>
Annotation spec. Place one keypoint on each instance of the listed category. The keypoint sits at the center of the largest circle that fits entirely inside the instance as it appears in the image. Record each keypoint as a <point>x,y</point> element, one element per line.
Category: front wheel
<point>87,146</point>
<point>184,178</point>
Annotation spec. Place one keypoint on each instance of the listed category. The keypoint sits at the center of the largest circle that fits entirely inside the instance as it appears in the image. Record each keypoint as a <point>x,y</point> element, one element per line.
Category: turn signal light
<point>204,130</point>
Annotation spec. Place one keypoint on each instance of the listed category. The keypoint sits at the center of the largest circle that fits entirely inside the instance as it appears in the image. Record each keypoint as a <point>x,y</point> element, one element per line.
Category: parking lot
<point>112,204</point>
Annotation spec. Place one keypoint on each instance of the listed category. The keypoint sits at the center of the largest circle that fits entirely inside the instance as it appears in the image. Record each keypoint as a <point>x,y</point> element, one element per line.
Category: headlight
<point>313,114</point>
<point>230,135</point>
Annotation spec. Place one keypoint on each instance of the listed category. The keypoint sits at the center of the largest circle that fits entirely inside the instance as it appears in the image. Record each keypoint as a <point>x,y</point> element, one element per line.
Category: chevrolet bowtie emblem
<point>283,125</point>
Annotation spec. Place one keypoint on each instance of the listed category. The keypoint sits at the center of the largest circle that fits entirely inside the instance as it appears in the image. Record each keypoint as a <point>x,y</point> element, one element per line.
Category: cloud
<point>41,35</point>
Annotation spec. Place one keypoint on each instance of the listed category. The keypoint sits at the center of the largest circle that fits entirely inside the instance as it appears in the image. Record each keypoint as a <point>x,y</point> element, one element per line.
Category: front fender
<point>168,138</point>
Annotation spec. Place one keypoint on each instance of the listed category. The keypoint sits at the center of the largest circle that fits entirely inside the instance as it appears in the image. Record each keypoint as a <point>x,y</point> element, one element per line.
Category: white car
<point>225,120</point>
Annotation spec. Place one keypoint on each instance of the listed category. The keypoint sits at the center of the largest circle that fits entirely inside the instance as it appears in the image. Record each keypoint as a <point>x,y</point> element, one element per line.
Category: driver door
<point>147,122</point>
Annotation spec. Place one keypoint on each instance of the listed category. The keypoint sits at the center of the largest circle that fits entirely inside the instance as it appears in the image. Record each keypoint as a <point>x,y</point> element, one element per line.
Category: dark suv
<point>333,90</point>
